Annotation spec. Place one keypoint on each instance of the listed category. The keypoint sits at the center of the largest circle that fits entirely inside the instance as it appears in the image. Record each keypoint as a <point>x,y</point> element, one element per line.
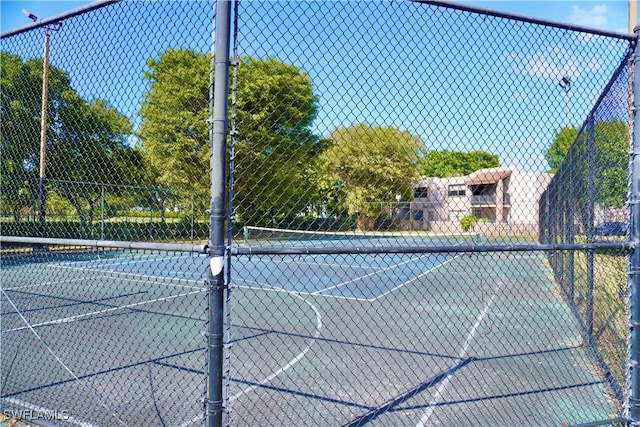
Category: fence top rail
<point>528,19</point>
<point>57,18</point>
<point>448,4</point>
<point>116,244</point>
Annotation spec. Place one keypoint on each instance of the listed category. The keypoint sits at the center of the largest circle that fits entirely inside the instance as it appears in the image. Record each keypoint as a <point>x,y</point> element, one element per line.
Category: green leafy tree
<point>611,162</point>
<point>365,166</point>
<point>560,147</point>
<point>274,145</point>
<point>611,142</point>
<point>19,138</point>
<point>86,140</point>
<point>445,163</point>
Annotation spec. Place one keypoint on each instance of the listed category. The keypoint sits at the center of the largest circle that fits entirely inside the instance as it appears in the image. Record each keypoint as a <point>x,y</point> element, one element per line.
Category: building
<point>504,200</point>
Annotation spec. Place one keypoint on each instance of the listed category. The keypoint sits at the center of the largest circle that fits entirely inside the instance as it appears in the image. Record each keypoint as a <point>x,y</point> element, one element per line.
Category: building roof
<point>488,176</point>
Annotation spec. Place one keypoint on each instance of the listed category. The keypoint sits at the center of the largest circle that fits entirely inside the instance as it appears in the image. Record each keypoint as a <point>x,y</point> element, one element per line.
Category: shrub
<point>467,222</point>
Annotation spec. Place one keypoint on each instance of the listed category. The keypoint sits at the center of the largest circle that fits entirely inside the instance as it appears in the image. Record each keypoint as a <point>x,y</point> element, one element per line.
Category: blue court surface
<point>364,277</point>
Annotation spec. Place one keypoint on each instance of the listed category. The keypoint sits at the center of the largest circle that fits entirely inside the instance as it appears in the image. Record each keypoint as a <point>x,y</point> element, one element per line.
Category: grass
<point>610,321</point>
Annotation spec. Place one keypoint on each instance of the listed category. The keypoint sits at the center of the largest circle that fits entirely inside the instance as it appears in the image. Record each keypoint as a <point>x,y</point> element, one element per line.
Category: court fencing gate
<point>387,213</point>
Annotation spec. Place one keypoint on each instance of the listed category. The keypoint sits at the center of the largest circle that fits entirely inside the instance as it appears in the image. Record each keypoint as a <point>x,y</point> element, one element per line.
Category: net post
<point>218,103</point>
<point>633,378</point>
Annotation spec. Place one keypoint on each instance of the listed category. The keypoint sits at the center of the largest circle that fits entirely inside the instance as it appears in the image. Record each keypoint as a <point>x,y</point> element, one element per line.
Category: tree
<point>274,146</point>
<point>86,140</point>
<point>610,160</point>
<point>366,166</point>
<point>560,147</point>
<point>445,163</point>
<point>20,134</point>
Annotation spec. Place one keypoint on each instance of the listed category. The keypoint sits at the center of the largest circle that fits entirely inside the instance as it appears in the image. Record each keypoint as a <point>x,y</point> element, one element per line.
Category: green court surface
<point>411,339</point>
<point>479,340</point>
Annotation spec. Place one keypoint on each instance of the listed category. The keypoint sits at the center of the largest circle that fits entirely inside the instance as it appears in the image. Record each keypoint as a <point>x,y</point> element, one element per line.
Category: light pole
<point>565,84</point>
<point>43,119</point>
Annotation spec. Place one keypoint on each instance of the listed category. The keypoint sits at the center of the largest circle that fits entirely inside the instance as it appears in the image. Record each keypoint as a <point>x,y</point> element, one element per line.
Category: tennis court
<point>388,339</point>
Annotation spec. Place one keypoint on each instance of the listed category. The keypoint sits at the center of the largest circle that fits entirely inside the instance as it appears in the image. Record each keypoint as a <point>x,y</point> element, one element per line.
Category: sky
<point>608,15</point>
<point>493,90</point>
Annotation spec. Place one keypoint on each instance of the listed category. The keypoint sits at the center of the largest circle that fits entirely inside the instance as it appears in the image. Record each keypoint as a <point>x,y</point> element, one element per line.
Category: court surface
<point>117,338</point>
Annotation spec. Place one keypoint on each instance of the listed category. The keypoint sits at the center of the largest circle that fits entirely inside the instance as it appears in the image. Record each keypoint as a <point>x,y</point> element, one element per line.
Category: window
<point>420,192</point>
<point>457,190</point>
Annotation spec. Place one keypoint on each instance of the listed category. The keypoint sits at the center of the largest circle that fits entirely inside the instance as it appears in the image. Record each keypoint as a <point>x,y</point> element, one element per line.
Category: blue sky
<point>609,15</point>
<point>499,95</point>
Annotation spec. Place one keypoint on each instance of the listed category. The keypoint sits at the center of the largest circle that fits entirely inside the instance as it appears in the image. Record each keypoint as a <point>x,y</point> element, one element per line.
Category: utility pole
<point>43,120</point>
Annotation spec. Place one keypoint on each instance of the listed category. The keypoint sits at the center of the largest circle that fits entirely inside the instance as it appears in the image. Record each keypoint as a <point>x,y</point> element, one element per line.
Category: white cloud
<point>553,63</point>
<point>594,17</point>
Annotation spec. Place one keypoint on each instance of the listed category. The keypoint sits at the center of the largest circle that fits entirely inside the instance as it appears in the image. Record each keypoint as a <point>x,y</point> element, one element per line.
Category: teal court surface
<point>117,338</point>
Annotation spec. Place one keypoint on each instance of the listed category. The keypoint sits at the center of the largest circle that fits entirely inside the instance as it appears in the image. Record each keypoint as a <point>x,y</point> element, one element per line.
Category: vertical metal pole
<point>43,133</point>
<point>153,202</point>
<point>568,106</point>
<point>561,203</point>
<point>547,218</point>
<point>571,228</point>
<point>193,213</point>
<point>633,395</point>
<point>218,103</point>
<point>591,153</point>
<point>102,212</point>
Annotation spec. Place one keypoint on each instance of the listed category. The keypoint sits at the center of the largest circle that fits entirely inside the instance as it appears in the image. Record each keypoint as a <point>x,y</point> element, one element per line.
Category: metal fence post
<point>571,229</point>
<point>218,103</point>
<point>101,211</point>
<point>633,395</point>
<point>193,213</point>
<point>591,154</point>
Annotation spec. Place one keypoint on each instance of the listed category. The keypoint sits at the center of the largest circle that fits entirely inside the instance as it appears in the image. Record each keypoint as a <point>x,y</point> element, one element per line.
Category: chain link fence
<point>585,203</point>
<point>388,213</point>
<point>101,323</point>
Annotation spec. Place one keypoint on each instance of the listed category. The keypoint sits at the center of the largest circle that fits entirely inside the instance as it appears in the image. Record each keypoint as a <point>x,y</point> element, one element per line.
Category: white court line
<point>328,264</point>
<point>98,312</point>
<point>109,263</point>
<point>461,356</point>
<point>414,278</point>
<point>315,293</point>
<point>53,283</point>
<point>146,276</point>
<point>42,411</point>
<point>339,285</point>
<point>55,356</point>
<point>276,289</point>
<point>291,363</point>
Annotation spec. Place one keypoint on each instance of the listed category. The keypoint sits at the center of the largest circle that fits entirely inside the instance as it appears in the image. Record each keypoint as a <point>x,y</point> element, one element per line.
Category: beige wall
<point>525,190</point>
<point>442,212</point>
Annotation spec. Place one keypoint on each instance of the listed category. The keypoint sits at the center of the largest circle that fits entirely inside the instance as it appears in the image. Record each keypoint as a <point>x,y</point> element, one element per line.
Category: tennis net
<point>265,236</point>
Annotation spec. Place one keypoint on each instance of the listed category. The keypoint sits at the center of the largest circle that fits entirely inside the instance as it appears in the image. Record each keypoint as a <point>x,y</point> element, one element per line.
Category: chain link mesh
<point>427,217</point>
<point>585,203</point>
<point>103,336</point>
<point>421,138</point>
